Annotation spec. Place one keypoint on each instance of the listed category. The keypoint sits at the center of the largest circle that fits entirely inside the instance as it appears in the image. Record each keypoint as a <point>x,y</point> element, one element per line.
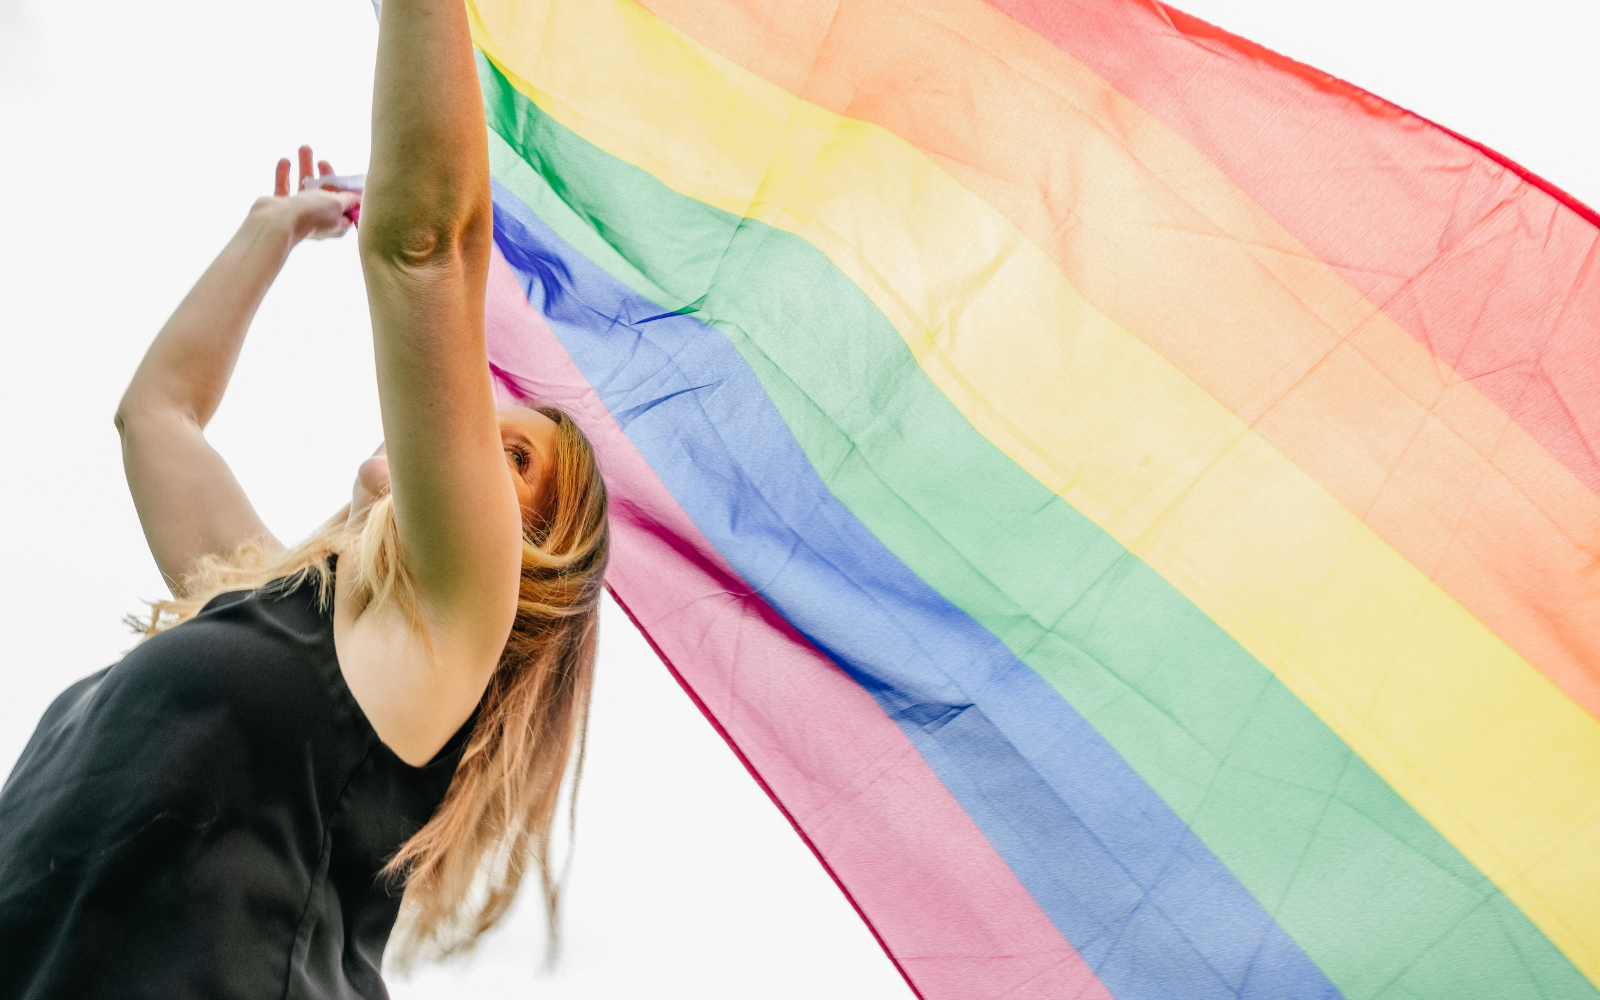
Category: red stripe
<point>935,893</point>
<point>1494,270</point>
<point>1196,28</point>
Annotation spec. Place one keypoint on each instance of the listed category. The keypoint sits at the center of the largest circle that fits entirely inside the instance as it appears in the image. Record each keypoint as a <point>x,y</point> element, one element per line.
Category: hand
<point>316,213</point>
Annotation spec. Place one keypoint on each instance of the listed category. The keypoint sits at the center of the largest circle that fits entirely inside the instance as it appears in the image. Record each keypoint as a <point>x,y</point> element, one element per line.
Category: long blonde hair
<point>462,870</point>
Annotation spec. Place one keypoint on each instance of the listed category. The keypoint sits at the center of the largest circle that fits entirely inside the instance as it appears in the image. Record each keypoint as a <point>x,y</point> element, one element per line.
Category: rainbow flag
<point>1131,499</point>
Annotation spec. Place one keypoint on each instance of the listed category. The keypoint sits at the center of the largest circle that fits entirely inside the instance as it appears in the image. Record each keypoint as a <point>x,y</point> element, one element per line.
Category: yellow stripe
<point>1480,743</point>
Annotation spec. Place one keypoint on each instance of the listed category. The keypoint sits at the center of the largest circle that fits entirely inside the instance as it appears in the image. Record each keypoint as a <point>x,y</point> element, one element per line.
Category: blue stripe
<point>1144,901</point>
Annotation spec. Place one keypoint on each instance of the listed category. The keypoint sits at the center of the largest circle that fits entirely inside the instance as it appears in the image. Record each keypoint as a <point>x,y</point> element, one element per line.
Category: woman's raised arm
<point>188,500</point>
<point>425,233</point>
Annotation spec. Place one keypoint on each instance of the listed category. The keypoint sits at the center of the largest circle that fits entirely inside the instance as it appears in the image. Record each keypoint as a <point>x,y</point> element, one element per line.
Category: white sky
<point>135,137</point>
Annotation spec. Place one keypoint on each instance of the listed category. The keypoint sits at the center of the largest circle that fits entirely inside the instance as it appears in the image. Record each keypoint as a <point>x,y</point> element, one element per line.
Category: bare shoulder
<point>416,693</point>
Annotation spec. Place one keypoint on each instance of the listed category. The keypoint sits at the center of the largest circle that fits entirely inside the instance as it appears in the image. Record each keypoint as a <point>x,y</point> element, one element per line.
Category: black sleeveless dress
<point>207,819</point>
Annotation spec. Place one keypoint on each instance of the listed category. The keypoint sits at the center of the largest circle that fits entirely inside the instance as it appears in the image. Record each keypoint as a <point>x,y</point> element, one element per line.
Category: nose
<point>374,474</point>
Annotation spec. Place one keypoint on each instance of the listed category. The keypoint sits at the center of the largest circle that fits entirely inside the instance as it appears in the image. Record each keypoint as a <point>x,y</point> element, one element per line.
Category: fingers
<point>280,186</point>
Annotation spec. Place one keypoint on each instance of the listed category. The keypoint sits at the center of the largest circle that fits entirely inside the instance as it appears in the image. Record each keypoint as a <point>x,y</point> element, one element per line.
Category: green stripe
<point>1372,893</point>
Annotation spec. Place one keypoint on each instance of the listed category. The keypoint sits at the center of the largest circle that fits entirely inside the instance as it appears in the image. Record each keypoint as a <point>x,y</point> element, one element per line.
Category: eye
<point>520,455</point>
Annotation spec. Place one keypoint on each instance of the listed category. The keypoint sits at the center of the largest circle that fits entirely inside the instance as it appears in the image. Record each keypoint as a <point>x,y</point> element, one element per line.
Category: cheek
<point>539,505</point>
<point>525,499</point>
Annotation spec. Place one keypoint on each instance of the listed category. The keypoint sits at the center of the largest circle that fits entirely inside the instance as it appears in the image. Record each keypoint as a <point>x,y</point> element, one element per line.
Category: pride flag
<point>1131,499</point>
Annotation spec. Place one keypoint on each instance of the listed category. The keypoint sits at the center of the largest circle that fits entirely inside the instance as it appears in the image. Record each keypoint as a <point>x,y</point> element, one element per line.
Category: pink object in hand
<point>338,182</point>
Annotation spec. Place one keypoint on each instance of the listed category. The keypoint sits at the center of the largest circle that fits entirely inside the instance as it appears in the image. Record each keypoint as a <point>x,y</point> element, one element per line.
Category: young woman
<point>234,808</point>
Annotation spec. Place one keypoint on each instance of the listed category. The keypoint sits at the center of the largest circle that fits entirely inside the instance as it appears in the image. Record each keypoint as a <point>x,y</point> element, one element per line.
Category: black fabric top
<point>207,818</point>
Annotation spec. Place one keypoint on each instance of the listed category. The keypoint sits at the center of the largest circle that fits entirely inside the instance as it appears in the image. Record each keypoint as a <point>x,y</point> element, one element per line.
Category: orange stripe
<point>1155,236</point>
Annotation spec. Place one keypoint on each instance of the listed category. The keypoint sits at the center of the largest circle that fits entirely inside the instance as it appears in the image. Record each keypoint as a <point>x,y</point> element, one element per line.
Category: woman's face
<point>528,438</point>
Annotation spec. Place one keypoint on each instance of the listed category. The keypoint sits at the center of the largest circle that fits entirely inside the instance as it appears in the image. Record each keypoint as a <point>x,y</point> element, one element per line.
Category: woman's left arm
<point>189,501</point>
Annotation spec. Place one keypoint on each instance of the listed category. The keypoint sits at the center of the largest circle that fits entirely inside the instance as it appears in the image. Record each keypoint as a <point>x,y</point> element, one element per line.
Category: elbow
<point>127,412</point>
<point>407,245</point>
<point>425,240</point>
<point>127,417</point>
<point>130,422</point>
<point>137,414</point>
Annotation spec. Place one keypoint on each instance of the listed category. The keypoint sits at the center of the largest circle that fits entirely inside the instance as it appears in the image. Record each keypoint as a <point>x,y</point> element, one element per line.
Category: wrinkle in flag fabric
<point>1184,609</point>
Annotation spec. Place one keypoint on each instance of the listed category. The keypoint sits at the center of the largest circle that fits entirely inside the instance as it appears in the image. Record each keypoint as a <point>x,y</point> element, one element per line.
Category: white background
<point>134,136</point>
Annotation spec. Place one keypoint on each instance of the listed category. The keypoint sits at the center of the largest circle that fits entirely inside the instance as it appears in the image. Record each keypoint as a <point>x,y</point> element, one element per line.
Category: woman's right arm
<point>188,500</point>
<point>426,229</point>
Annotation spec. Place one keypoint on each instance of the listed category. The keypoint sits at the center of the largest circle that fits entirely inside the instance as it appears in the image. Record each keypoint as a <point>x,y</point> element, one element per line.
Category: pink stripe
<point>941,901</point>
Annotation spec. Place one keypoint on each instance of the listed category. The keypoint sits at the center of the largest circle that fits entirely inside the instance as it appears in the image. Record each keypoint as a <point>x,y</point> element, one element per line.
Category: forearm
<point>427,190</point>
<point>187,367</point>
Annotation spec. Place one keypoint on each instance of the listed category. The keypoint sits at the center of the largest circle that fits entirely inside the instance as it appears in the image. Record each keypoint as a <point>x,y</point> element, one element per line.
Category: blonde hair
<point>462,870</point>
